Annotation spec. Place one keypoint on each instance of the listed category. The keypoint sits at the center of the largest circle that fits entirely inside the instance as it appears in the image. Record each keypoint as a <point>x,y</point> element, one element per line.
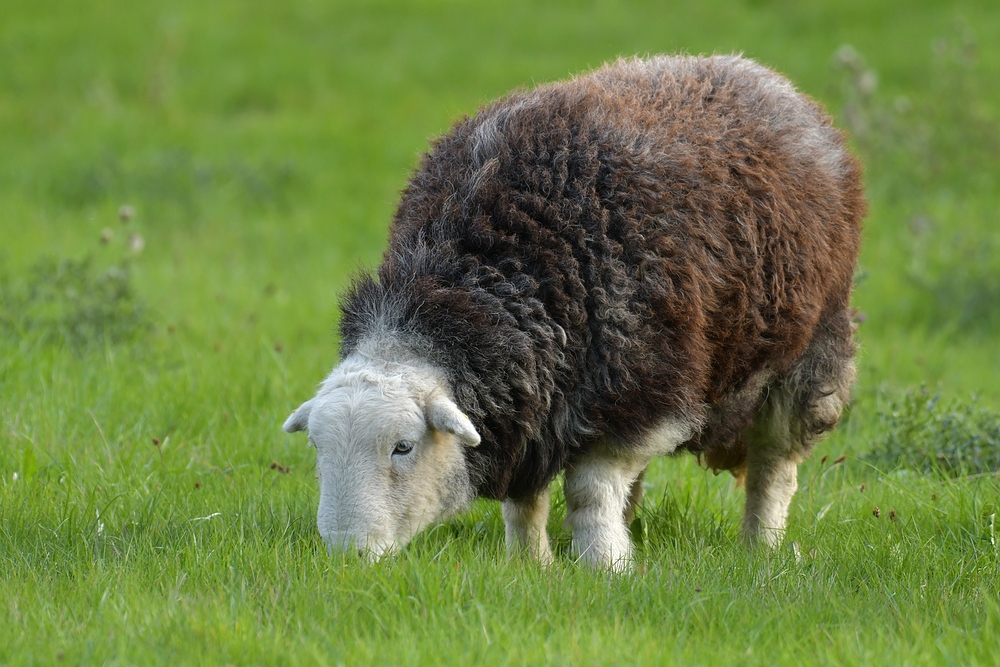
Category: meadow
<point>186,187</point>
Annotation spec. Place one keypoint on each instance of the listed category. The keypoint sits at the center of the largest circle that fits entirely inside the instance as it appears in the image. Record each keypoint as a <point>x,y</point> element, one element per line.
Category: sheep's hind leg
<point>525,523</point>
<point>804,405</point>
<point>771,481</point>
<point>598,487</point>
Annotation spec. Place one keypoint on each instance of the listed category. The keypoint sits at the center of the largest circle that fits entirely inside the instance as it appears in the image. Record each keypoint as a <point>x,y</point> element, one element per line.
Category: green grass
<point>262,146</point>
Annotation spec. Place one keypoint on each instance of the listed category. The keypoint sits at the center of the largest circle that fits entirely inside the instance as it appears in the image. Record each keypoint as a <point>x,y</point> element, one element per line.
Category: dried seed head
<point>877,512</point>
<point>867,82</point>
<point>136,243</point>
<point>847,57</point>
<point>107,235</point>
<point>125,213</point>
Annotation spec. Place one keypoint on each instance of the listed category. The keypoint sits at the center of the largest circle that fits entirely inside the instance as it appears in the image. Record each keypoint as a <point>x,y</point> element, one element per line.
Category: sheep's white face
<point>390,454</point>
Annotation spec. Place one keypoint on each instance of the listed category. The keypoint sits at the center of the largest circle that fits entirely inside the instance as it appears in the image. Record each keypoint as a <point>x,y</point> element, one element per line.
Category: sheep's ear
<point>299,420</point>
<point>444,415</point>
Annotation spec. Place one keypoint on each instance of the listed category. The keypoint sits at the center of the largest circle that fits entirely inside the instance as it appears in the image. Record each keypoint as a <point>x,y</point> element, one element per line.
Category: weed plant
<point>71,301</point>
<point>922,433</point>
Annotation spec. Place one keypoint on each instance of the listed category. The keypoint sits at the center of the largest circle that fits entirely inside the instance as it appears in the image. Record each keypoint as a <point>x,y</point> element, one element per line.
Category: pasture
<point>185,188</point>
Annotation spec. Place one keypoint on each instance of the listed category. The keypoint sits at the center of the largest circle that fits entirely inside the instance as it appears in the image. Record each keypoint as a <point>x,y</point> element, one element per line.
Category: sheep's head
<point>390,453</point>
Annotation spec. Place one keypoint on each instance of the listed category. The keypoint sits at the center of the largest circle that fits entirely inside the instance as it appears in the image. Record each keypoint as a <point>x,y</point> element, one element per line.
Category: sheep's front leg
<point>525,522</point>
<point>598,486</point>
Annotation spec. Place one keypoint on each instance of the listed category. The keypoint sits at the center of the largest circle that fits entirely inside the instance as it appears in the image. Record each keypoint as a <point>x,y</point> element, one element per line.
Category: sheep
<point>653,257</point>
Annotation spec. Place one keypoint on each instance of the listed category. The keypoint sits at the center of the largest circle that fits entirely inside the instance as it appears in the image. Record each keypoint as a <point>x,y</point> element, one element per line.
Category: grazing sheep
<point>653,257</point>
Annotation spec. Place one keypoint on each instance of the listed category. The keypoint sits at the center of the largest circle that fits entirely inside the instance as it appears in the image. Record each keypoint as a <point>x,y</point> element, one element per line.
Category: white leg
<point>785,430</point>
<point>773,455</point>
<point>597,489</point>
<point>770,487</point>
<point>525,521</point>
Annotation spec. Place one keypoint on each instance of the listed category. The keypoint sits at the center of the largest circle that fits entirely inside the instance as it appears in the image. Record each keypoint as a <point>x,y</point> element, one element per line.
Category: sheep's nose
<point>368,549</point>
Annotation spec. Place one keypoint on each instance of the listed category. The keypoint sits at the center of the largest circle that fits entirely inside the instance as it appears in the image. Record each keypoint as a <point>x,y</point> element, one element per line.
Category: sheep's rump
<point>658,239</point>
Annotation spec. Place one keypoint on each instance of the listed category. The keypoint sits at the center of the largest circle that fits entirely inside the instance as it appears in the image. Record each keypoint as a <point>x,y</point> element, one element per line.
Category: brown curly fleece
<point>663,238</point>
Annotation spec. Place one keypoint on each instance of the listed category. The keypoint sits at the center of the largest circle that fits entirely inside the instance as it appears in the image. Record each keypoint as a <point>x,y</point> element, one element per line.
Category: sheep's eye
<point>403,447</point>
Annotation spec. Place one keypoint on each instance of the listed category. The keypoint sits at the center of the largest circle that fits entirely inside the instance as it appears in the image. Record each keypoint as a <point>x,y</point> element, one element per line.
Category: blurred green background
<point>262,145</point>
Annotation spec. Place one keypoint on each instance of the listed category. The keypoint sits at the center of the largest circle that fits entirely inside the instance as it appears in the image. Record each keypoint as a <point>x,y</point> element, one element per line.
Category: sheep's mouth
<point>367,548</point>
